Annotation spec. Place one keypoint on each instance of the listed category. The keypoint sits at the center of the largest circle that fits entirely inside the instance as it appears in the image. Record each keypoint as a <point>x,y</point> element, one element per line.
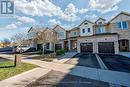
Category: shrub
<point>60,52</point>
<point>51,55</point>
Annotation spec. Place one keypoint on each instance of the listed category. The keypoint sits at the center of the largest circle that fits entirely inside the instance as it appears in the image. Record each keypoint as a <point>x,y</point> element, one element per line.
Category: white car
<point>22,48</point>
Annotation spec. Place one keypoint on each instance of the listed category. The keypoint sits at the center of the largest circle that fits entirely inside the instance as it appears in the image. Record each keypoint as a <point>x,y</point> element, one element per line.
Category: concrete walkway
<point>113,77</point>
<point>65,58</point>
<point>127,54</point>
<point>25,78</point>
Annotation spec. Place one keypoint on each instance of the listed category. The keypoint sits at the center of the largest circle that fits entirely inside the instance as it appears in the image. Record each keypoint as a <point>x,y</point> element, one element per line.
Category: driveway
<point>88,60</point>
<point>116,62</point>
<point>60,79</point>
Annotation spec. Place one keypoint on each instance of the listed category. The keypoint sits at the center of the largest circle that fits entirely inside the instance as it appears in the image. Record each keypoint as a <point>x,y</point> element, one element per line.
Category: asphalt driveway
<point>88,60</point>
<point>116,62</point>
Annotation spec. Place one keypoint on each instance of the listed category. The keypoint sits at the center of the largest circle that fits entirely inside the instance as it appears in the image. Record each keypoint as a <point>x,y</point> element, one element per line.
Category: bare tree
<point>47,35</point>
<point>19,38</point>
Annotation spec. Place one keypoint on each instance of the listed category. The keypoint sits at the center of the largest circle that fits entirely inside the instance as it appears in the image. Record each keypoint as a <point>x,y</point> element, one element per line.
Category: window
<point>101,30</point>
<point>85,23</point>
<point>99,22</point>
<point>89,30</point>
<point>122,25</point>
<point>74,33</point>
<point>61,34</point>
<point>119,25</point>
<point>125,25</point>
<point>83,30</point>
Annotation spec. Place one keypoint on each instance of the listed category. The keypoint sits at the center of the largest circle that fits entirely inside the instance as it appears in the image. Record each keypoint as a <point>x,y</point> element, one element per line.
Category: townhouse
<point>48,39</point>
<point>92,37</point>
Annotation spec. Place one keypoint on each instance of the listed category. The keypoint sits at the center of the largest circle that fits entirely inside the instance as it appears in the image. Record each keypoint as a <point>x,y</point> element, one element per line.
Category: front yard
<point>7,69</point>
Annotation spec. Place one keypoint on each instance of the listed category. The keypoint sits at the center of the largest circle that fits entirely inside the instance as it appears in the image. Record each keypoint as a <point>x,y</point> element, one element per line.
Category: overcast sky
<point>67,13</point>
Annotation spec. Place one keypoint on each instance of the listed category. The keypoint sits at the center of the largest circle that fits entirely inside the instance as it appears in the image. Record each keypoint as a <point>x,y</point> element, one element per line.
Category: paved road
<point>88,60</point>
<point>116,62</point>
<point>59,79</point>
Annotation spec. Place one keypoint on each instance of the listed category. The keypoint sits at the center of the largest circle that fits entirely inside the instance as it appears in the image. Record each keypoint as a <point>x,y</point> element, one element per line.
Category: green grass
<point>7,69</point>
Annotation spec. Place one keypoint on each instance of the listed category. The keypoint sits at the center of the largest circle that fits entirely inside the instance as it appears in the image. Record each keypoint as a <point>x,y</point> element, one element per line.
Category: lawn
<point>7,69</point>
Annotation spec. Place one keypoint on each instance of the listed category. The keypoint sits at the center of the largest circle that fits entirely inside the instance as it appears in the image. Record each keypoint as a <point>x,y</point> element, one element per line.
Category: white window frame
<point>74,33</point>
<point>122,27</point>
<point>102,30</point>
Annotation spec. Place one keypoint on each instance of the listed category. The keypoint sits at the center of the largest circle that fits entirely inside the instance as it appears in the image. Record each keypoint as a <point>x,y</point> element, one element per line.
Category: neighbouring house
<point>121,24</point>
<point>32,37</point>
<point>48,39</point>
<point>60,35</point>
<point>90,37</point>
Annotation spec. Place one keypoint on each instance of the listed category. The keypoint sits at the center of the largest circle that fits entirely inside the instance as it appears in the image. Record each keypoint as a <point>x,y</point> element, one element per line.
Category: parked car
<point>22,49</point>
<point>6,49</point>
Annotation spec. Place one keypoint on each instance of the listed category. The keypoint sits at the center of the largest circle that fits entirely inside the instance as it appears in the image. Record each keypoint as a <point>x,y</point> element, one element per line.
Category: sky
<point>48,13</point>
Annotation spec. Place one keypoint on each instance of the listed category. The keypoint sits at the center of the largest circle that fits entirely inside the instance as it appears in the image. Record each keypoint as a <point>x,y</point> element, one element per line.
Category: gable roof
<point>125,13</point>
<point>58,26</point>
<point>48,29</point>
<point>101,19</point>
<point>84,21</point>
<point>75,28</point>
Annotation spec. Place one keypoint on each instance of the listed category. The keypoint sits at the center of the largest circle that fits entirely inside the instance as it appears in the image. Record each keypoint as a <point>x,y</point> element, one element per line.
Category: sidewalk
<point>25,78</point>
<point>12,56</point>
<point>127,54</point>
<point>65,58</point>
<point>113,77</point>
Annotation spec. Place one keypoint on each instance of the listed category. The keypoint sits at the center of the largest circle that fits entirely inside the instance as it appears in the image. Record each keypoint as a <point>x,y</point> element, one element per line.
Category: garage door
<point>106,47</point>
<point>58,46</point>
<point>86,47</point>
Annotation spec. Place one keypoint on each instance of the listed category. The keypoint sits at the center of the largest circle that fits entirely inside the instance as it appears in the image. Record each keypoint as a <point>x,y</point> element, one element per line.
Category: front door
<point>124,45</point>
<point>66,45</point>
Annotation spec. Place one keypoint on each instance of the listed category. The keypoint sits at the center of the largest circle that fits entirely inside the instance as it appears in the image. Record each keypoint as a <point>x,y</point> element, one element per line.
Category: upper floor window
<point>85,23</point>
<point>101,30</point>
<point>61,34</point>
<point>89,30</point>
<point>83,30</point>
<point>122,25</point>
<point>119,25</point>
<point>99,22</point>
<point>74,33</point>
<point>125,25</point>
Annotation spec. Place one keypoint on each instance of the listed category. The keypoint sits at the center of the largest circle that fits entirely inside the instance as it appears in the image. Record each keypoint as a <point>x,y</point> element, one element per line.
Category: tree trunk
<point>43,47</point>
<point>17,61</point>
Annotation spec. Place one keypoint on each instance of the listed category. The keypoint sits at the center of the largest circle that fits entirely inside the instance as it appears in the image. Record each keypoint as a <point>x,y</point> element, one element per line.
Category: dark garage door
<point>58,46</point>
<point>106,47</point>
<point>86,47</point>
